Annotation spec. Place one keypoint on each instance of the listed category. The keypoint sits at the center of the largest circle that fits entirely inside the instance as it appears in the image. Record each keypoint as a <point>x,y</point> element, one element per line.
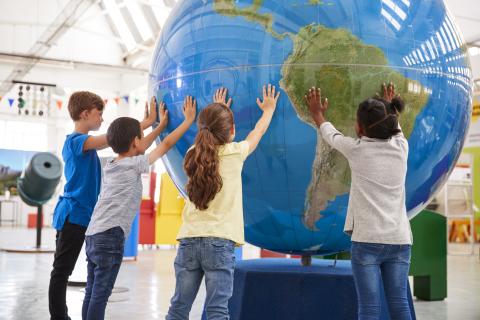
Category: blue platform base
<point>282,289</point>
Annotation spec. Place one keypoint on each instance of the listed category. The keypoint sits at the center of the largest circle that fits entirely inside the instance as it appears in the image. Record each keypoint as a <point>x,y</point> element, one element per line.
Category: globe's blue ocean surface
<point>295,186</point>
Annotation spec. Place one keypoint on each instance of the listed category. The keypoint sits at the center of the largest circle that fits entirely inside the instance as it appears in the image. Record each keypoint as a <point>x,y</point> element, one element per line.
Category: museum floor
<point>144,287</point>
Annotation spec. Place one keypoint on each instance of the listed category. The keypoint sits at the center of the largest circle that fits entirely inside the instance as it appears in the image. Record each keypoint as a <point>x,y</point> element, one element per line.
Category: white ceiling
<point>80,35</point>
<point>107,56</point>
<point>467,16</point>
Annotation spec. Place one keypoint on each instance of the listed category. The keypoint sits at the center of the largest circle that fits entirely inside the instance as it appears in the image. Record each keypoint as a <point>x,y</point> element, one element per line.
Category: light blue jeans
<point>374,263</point>
<point>196,257</point>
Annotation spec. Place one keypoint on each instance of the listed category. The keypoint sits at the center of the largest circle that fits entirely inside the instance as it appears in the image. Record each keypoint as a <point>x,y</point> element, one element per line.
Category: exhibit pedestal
<point>283,289</point>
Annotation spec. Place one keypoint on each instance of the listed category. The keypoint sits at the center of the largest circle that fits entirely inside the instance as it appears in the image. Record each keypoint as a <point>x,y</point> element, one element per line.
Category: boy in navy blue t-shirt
<point>74,209</point>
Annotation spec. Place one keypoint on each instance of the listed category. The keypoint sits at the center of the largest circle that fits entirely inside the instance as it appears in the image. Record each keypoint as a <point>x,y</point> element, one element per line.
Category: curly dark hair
<point>379,118</point>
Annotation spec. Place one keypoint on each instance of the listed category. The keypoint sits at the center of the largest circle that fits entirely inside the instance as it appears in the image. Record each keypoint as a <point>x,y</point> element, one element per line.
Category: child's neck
<point>129,153</point>
<point>81,127</point>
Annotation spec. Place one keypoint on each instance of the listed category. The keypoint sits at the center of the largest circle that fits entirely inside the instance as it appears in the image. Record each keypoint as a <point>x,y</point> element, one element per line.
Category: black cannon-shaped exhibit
<point>38,184</point>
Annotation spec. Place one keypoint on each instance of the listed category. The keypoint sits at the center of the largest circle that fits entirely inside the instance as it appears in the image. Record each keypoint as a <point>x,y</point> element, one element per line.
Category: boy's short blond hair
<point>83,100</point>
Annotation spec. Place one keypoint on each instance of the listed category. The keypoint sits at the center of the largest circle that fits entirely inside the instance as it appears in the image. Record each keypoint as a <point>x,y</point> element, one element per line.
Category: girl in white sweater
<point>376,218</point>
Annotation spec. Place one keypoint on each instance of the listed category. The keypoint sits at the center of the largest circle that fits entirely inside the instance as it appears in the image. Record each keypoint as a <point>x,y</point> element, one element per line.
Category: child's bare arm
<point>268,106</point>
<point>95,143</point>
<point>189,111</point>
<point>147,141</point>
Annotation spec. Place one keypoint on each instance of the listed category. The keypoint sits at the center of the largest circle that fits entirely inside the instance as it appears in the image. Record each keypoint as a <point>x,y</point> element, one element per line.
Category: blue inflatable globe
<point>295,187</point>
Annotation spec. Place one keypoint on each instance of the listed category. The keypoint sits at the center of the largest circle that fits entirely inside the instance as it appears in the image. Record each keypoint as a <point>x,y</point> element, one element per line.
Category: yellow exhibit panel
<point>169,212</point>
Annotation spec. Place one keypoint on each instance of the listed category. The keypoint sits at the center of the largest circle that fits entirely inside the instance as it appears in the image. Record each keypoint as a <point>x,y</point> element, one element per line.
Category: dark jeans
<point>197,257</point>
<point>104,256</point>
<point>68,245</point>
<point>374,264</point>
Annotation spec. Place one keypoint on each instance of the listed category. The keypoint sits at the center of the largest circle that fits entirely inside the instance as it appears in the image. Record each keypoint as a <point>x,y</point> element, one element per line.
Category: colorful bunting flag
<point>117,100</point>
<point>126,98</point>
<point>59,104</point>
<point>10,101</point>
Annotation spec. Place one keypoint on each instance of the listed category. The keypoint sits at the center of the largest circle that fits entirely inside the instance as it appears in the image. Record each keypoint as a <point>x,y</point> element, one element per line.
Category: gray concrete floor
<point>150,282</point>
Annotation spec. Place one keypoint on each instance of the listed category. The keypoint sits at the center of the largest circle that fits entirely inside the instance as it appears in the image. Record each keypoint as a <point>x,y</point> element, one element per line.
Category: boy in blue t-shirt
<point>74,209</point>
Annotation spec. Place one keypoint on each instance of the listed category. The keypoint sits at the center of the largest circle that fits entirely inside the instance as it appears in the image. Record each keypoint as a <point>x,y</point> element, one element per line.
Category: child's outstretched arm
<point>95,142</point>
<point>189,111</point>
<point>268,106</point>
<point>147,141</point>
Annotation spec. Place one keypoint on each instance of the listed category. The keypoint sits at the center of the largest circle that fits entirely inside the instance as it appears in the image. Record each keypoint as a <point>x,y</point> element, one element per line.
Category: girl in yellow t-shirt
<point>213,214</point>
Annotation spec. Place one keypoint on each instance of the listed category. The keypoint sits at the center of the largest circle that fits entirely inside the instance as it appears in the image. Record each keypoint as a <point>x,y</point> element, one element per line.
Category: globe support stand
<point>306,260</point>
<point>39,226</point>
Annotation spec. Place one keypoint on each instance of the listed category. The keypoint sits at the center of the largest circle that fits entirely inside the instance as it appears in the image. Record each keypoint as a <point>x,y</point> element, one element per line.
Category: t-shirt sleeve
<point>337,140</point>
<point>141,164</point>
<point>77,142</point>
<point>244,148</point>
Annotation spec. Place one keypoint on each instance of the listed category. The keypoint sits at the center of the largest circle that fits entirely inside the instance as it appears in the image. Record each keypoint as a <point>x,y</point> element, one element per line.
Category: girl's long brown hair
<point>202,163</point>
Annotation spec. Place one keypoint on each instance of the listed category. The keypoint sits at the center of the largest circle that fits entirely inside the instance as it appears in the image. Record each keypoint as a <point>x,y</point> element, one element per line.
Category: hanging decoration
<point>45,99</point>
<point>29,102</point>
<point>33,99</point>
<point>59,104</point>
<point>37,102</point>
<point>21,101</point>
<point>117,100</point>
<point>126,98</point>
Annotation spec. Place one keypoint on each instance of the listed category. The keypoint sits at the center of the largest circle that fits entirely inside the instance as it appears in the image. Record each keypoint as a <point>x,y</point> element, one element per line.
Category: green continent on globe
<point>229,8</point>
<point>347,71</point>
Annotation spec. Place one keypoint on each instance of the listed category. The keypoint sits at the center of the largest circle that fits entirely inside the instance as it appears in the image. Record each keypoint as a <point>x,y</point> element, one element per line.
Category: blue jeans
<point>374,264</point>
<point>104,256</point>
<point>196,257</point>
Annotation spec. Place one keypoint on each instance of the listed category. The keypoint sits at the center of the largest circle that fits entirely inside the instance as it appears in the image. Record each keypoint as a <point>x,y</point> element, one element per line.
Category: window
<point>20,135</point>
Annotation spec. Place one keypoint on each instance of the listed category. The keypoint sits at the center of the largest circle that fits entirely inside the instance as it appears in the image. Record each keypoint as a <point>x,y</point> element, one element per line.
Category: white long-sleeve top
<point>376,207</point>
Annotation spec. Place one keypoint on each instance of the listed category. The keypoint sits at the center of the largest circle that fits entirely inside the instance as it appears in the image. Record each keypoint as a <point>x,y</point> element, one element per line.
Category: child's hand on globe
<point>150,114</point>
<point>221,97</point>
<point>189,109</point>
<point>163,115</point>
<point>316,106</point>
<point>269,102</point>
<point>388,91</point>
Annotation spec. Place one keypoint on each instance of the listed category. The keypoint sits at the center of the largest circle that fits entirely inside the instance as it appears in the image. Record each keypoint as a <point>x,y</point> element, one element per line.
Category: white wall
<point>48,134</point>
